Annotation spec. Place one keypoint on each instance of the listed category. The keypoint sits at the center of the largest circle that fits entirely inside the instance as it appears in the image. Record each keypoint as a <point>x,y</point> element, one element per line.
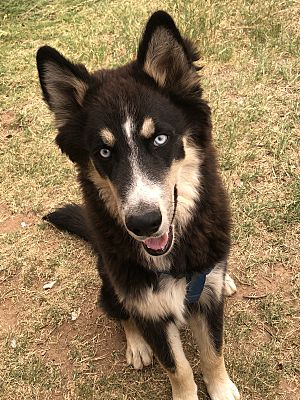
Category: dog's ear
<point>167,57</point>
<point>64,87</point>
<point>63,83</point>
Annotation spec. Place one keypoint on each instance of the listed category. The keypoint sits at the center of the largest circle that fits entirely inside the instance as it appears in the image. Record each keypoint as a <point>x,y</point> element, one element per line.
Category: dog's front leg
<point>164,339</point>
<point>138,352</point>
<point>218,383</point>
<point>207,328</point>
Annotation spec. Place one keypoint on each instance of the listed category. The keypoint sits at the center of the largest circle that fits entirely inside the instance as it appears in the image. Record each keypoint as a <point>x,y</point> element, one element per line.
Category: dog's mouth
<point>158,246</point>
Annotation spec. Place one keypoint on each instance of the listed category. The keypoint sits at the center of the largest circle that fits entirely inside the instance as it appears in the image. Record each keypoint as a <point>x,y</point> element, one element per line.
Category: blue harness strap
<point>195,284</point>
<point>195,287</point>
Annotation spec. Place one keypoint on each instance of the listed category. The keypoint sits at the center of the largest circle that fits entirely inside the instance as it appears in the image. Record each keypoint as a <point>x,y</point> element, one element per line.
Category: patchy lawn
<point>55,344</point>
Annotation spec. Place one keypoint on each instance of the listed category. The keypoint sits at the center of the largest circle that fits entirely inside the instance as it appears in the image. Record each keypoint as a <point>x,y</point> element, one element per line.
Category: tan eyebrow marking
<point>107,137</point>
<point>148,127</point>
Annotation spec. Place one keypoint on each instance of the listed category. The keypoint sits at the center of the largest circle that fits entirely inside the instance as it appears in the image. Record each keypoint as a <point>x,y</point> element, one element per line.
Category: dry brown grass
<point>251,77</point>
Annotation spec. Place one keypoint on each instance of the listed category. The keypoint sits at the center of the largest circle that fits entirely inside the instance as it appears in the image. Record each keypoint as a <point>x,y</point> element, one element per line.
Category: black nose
<point>144,224</point>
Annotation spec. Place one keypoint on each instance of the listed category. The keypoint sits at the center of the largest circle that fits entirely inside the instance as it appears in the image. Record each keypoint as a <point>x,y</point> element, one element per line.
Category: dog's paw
<point>138,353</point>
<point>229,286</point>
<point>223,391</point>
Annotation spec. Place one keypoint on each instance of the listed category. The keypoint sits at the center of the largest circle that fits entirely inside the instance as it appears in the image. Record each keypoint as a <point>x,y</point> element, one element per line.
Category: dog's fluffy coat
<point>154,206</point>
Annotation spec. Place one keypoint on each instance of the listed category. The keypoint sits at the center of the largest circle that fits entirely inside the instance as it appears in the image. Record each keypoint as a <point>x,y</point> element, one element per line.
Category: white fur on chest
<point>167,300</point>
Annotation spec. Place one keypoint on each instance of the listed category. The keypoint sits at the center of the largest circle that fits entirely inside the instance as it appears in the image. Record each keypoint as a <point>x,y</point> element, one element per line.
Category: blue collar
<point>195,285</point>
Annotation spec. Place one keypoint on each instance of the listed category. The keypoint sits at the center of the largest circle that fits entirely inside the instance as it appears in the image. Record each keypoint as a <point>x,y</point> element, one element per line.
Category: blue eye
<point>105,153</point>
<point>160,140</point>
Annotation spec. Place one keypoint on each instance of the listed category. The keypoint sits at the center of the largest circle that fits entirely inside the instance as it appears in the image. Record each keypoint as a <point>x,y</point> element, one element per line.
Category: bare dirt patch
<point>91,341</point>
<point>11,223</point>
<point>7,120</point>
<point>267,283</point>
<point>288,389</point>
<point>8,315</point>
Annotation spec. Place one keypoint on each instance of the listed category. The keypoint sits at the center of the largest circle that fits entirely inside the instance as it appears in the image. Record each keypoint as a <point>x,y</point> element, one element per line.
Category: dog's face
<point>128,128</point>
<point>134,150</point>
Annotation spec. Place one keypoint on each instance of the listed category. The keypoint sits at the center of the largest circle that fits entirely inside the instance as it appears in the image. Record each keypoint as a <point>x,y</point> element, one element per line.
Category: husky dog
<point>154,209</point>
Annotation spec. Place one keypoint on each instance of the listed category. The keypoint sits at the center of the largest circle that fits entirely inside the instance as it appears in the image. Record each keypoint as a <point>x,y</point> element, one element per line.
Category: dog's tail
<point>70,218</point>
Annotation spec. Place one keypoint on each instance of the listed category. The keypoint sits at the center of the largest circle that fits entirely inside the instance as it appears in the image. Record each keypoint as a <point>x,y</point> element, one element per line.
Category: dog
<point>154,207</point>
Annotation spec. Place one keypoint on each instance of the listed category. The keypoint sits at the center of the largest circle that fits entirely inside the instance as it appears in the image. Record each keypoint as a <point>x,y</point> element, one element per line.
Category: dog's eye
<point>160,140</point>
<point>105,153</point>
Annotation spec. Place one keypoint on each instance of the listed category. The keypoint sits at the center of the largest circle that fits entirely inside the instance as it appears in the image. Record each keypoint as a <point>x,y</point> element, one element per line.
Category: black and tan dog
<point>154,208</point>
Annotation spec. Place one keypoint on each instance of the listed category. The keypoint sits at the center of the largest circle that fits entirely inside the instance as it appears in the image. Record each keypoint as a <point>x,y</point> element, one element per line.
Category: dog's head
<point>137,130</point>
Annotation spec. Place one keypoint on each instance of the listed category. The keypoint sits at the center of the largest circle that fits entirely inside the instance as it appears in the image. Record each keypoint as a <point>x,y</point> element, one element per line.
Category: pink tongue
<point>158,243</point>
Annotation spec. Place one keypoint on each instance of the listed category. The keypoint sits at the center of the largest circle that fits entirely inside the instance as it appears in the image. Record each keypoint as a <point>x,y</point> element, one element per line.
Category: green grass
<point>250,52</point>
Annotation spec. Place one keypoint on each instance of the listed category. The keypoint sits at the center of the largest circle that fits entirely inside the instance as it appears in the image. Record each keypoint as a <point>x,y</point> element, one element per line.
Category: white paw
<point>229,286</point>
<point>138,353</point>
<point>223,391</point>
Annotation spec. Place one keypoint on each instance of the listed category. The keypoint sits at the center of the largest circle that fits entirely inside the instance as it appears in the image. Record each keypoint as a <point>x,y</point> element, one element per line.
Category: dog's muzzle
<point>144,225</point>
<point>145,228</point>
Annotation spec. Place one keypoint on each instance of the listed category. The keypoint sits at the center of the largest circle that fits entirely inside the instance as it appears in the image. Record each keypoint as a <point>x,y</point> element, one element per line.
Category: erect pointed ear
<point>167,57</point>
<point>63,83</point>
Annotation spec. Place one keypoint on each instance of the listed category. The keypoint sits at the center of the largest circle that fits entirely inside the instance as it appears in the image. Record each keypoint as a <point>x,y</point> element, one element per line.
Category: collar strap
<point>195,286</point>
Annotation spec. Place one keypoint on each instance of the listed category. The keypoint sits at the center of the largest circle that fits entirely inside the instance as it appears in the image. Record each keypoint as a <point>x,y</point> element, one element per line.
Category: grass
<point>250,52</point>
